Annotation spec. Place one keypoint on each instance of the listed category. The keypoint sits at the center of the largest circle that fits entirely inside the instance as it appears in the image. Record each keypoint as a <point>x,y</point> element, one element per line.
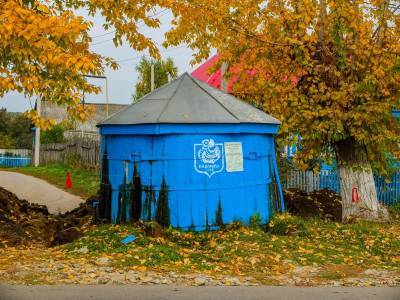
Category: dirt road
<point>39,191</point>
<point>106,292</point>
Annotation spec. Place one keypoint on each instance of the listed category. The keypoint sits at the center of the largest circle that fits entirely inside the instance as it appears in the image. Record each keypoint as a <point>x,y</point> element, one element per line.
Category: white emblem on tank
<point>208,157</point>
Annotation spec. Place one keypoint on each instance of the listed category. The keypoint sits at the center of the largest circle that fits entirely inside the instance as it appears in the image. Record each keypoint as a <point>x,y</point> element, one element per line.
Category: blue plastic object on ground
<point>128,239</point>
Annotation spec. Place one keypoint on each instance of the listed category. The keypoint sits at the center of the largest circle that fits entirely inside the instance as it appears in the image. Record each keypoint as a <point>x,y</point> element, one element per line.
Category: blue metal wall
<point>193,197</point>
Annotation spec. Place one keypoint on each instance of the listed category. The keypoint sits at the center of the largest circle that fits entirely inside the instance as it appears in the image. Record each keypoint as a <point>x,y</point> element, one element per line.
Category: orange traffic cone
<point>68,181</point>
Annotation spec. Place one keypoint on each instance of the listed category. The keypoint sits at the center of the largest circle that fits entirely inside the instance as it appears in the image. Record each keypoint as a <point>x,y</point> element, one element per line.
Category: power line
<point>101,42</point>
<point>104,34</point>
<point>113,31</point>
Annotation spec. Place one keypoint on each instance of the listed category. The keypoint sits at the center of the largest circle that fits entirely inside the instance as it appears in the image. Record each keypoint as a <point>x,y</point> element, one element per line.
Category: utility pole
<point>152,77</point>
<point>37,133</point>
<point>106,96</point>
<point>224,81</point>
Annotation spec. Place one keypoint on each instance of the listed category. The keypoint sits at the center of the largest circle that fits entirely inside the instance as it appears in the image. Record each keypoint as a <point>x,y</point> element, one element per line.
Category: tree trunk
<point>357,185</point>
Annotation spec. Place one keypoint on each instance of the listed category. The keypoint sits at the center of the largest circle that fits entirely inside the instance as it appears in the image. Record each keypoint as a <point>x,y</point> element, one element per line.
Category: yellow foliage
<point>330,71</point>
<point>45,53</point>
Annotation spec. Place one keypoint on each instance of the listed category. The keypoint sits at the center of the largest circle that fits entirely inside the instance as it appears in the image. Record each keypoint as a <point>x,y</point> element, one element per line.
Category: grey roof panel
<point>163,92</point>
<point>241,109</point>
<point>188,105</point>
<point>142,112</point>
<point>187,100</point>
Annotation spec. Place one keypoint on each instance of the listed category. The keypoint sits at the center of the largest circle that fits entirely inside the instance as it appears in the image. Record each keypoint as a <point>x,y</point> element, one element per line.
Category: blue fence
<point>328,178</point>
<point>388,192</point>
<point>14,161</point>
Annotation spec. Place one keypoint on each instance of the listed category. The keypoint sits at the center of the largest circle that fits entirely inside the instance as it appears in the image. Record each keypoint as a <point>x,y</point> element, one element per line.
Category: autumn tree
<point>44,51</point>
<point>163,71</point>
<point>328,69</point>
<point>44,47</point>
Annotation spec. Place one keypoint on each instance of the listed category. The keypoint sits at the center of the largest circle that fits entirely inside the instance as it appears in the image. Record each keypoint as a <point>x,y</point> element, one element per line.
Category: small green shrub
<point>395,210</point>
<point>286,224</point>
<point>53,135</point>
<point>255,220</point>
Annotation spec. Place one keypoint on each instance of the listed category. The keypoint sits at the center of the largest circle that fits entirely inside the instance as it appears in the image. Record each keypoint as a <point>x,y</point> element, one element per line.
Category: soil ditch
<point>24,224</point>
<point>325,204</point>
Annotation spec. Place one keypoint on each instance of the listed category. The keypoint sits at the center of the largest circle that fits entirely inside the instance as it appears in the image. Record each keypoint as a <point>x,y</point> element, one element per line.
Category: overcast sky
<point>121,81</point>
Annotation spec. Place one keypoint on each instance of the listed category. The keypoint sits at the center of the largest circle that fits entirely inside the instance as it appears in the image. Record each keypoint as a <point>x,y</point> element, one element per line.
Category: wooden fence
<point>76,134</point>
<point>83,152</point>
<point>16,152</point>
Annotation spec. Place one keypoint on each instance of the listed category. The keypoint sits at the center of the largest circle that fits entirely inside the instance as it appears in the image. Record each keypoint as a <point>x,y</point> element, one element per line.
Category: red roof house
<point>214,79</point>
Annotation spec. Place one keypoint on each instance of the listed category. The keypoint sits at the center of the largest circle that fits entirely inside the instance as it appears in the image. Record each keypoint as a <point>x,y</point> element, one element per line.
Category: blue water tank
<point>190,156</point>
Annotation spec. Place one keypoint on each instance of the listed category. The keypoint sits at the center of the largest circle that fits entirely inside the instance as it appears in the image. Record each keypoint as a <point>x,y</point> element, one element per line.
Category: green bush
<point>6,141</point>
<point>395,211</point>
<point>53,135</point>
<point>286,224</point>
<point>255,220</point>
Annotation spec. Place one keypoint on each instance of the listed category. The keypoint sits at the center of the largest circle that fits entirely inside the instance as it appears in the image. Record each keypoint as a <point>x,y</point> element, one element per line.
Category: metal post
<point>106,96</point>
<point>224,81</point>
<point>37,134</point>
<point>152,77</point>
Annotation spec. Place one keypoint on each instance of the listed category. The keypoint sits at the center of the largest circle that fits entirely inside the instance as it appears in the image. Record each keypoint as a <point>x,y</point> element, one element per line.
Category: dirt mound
<point>325,204</point>
<point>23,223</point>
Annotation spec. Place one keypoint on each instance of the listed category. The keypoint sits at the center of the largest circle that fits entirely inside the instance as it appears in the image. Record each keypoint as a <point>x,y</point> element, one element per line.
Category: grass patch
<point>85,182</point>
<point>345,248</point>
<point>395,211</point>
<point>106,239</point>
<point>286,224</point>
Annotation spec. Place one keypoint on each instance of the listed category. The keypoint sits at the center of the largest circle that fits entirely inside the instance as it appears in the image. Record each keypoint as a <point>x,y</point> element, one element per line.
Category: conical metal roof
<point>187,100</point>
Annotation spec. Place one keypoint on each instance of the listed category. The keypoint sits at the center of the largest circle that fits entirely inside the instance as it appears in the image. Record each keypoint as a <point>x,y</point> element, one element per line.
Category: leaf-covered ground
<point>291,251</point>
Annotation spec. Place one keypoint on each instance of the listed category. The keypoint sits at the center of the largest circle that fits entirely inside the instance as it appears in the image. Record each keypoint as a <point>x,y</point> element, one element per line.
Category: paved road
<point>36,190</point>
<point>116,292</point>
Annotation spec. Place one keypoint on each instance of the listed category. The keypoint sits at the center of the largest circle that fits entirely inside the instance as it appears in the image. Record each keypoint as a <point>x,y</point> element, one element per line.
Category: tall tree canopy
<point>328,69</point>
<point>162,70</point>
